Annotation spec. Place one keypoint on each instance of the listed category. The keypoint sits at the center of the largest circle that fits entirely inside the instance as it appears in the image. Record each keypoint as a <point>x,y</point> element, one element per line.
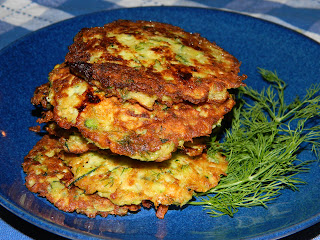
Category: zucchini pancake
<point>47,175</point>
<point>128,115</point>
<point>153,62</point>
<point>126,128</point>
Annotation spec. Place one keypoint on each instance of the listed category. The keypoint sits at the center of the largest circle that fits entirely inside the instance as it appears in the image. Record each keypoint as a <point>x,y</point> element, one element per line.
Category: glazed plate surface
<point>25,64</point>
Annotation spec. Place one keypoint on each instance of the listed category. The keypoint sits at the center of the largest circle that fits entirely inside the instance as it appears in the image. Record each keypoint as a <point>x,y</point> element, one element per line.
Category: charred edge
<point>81,108</point>
<point>90,98</point>
<point>81,69</point>
<point>186,76</point>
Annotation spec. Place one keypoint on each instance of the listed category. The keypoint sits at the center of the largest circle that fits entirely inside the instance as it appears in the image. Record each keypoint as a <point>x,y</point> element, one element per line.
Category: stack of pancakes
<point>127,114</point>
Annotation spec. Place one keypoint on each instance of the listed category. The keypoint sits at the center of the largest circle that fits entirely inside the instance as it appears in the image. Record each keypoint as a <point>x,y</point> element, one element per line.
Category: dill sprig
<point>262,146</point>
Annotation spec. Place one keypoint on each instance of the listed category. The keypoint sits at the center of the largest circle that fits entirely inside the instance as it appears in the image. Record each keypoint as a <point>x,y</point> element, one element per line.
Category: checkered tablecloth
<point>20,17</point>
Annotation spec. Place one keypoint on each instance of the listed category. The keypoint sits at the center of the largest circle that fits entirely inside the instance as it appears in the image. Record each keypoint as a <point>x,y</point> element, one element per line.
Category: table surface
<point>20,17</point>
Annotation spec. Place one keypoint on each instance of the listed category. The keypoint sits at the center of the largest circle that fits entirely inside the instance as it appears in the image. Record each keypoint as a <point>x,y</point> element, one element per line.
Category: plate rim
<point>67,232</point>
<point>292,30</point>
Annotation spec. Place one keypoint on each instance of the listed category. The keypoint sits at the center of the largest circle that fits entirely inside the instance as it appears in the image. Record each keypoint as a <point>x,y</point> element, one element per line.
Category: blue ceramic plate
<point>26,63</point>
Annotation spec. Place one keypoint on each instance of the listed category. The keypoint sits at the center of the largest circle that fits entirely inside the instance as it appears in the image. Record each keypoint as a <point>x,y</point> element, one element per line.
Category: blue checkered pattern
<point>20,17</point>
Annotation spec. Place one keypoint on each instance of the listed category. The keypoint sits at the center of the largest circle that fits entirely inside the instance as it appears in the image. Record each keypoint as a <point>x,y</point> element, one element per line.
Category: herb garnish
<point>261,147</point>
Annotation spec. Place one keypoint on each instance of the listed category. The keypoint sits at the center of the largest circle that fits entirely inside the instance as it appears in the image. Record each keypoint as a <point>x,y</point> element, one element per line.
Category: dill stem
<point>250,178</point>
<point>262,147</point>
<point>288,114</point>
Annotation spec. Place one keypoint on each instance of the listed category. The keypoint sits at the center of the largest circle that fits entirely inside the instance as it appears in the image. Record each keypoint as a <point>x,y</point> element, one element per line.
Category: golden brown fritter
<point>73,142</point>
<point>122,183</point>
<point>123,127</point>
<point>47,175</point>
<point>126,181</point>
<point>126,91</point>
<point>151,61</point>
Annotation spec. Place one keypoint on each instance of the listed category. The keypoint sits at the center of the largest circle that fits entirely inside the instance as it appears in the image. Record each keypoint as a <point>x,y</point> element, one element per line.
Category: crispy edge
<point>39,175</point>
<point>106,75</point>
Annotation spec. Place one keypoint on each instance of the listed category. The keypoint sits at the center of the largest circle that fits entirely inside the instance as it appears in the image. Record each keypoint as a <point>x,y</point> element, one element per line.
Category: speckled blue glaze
<point>26,63</point>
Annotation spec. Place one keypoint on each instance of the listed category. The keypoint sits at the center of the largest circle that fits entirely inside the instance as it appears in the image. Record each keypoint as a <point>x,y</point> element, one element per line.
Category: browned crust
<point>35,128</point>
<point>161,211</point>
<point>124,187</point>
<point>183,123</point>
<point>64,136</point>
<point>38,180</point>
<point>40,94</point>
<point>178,125</point>
<point>192,149</point>
<point>196,147</point>
<point>113,71</point>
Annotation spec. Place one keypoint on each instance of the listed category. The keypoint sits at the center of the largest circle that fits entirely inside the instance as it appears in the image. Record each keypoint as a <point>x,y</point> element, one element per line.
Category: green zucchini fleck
<point>91,123</point>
